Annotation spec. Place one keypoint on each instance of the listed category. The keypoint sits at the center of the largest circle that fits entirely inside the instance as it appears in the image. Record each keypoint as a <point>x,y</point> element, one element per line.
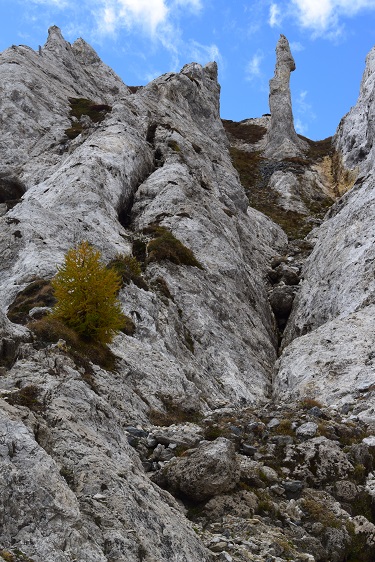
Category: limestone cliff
<point>106,454</point>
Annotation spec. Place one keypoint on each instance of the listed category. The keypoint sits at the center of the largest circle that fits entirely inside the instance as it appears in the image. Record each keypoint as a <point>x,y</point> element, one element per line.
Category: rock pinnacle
<point>282,141</point>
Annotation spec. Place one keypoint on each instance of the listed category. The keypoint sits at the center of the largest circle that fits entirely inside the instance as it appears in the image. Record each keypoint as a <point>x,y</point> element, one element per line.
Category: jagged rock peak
<point>55,41</point>
<point>282,139</point>
<point>84,52</point>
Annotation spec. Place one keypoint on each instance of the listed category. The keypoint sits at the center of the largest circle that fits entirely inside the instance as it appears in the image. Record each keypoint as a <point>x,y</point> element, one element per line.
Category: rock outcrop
<point>156,162</point>
<point>282,139</point>
<point>189,401</point>
<point>329,340</point>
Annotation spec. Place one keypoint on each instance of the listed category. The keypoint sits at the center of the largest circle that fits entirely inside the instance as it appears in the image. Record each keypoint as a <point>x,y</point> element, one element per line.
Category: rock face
<point>183,399</point>
<point>282,139</point>
<point>159,159</point>
<point>355,135</point>
<point>329,341</point>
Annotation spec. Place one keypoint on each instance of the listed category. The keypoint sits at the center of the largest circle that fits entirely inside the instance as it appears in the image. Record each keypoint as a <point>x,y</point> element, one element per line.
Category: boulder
<point>207,471</point>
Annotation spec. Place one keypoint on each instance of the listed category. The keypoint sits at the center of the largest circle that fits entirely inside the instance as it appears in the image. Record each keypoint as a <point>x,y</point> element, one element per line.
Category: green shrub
<point>86,294</point>
<point>165,246</point>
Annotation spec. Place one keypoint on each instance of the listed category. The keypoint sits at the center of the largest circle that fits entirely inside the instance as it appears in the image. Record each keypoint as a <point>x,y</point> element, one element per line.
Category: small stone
<point>315,411</point>
<point>292,488</point>
<point>136,432</point>
<point>99,497</point>
<point>38,312</point>
<point>278,490</point>
<point>282,440</point>
<point>273,423</point>
<point>248,450</point>
<point>307,430</point>
<point>211,469</point>
<point>235,430</point>
<point>346,490</point>
<point>269,474</point>
<point>218,547</point>
<point>151,442</point>
<point>133,441</point>
<point>345,409</point>
<point>369,441</point>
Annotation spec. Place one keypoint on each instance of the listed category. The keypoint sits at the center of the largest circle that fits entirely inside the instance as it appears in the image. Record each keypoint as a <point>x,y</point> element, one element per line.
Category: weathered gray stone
<point>318,460</point>
<point>207,471</point>
<point>184,435</point>
<point>239,504</point>
<point>282,139</point>
<point>307,430</point>
<point>346,490</point>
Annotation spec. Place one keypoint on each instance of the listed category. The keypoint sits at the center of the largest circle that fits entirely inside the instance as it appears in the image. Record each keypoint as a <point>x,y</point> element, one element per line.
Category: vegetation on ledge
<point>83,106</point>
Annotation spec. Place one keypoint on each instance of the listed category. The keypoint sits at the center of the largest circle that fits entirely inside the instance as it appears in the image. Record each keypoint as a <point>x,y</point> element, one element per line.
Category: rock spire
<point>282,140</point>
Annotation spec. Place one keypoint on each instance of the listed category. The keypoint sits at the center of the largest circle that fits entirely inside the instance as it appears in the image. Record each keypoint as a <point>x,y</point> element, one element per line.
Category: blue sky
<point>141,39</point>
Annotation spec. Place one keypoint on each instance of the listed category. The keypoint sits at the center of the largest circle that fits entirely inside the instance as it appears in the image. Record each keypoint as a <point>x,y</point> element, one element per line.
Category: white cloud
<point>323,16</point>
<point>52,3</point>
<point>304,112</point>
<point>253,66</point>
<point>204,53</point>
<point>195,5</point>
<point>275,16</point>
<point>296,46</point>
<point>145,14</point>
<point>301,128</point>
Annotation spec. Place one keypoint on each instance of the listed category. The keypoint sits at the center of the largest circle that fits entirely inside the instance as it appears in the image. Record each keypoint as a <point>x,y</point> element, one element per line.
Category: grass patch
<point>248,165</point>
<point>83,106</point>
<point>38,293</point>
<point>173,414</point>
<point>308,403</point>
<point>166,247</point>
<point>212,432</point>
<point>249,133</point>
<point>15,556</point>
<point>27,397</point>
<point>139,250</point>
<point>319,512</point>
<point>129,269</point>
<point>318,149</point>
<point>284,428</point>
<point>128,327</point>
<point>359,549</point>
<point>174,145</point>
<point>254,172</point>
<point>266,506</point>
<point>161,286</point>
<point>50,330</point>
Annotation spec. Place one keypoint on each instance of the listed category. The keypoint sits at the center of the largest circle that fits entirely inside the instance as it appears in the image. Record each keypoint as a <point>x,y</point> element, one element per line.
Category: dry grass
<point>246,132</point>
<point>38,293</point>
